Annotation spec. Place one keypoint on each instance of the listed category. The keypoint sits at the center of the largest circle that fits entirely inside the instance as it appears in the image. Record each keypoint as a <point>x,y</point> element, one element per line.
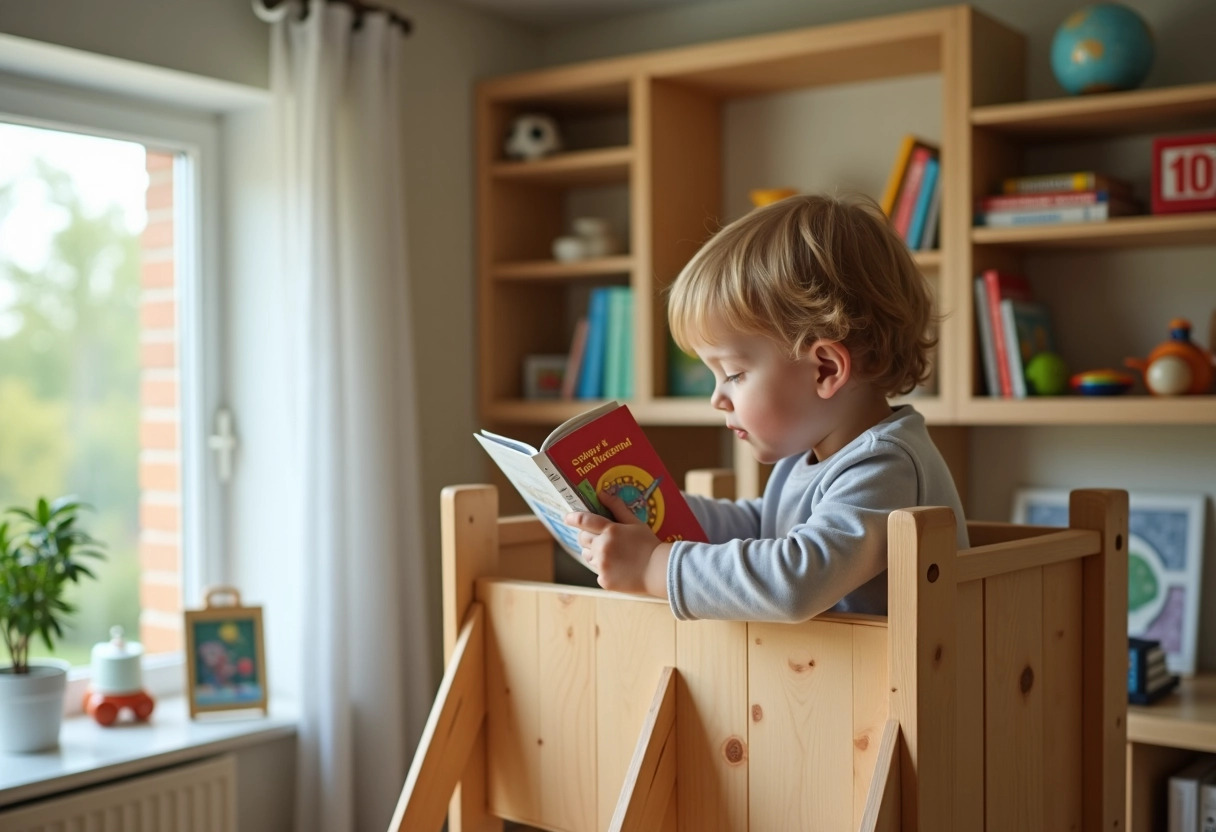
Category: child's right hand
<point>625,553</point>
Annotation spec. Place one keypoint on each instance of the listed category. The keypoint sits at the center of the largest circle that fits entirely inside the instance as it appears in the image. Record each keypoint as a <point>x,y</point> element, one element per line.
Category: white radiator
<point>199,797</point>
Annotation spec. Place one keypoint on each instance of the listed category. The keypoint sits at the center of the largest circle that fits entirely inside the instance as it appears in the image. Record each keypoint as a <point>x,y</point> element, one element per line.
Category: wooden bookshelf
<point>1109,114</point>
<point>1090,410</point>
<point>544,270</point>
<point>1162,738</point>
<point>1117,232</point>
<point>573,169</point>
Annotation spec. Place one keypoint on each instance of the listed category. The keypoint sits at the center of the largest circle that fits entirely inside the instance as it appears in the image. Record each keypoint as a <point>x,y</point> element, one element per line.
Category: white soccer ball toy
<point>532,136</point>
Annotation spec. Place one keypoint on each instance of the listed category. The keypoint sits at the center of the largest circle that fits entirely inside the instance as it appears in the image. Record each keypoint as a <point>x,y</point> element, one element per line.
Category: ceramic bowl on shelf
<point>569,248</point>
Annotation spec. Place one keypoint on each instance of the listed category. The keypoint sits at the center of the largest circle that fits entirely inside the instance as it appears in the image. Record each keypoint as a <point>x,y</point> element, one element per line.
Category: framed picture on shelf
<point>543,375</point>
<point>225,662</point>
<point>1165,559</point>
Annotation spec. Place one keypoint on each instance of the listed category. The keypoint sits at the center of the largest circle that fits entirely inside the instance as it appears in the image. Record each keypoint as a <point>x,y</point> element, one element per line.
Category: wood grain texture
<point>1013,701</point>
<point>800,751</point>
<point>633,641</point>
<point>469,534</point>
<point>566,634</point>
<point>969,709</point>
<point>649,784</point>
<point>882,809</point>
<point>448,737</point>
<point>1104,621</point>
<point>871,710</point>
<point>712,708</point>
<point>1062,692</point>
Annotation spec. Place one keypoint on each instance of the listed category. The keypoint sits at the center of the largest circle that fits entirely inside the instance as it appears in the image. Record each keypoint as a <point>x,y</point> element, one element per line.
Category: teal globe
<point>1101,48</point>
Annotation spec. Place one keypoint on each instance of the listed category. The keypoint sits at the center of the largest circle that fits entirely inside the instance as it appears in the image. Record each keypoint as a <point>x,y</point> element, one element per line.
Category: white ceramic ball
<point>1168,376</point>
<point>569,248</point>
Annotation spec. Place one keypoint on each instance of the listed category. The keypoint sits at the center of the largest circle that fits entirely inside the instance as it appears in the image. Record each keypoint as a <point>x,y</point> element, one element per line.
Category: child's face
<point>770,400</point>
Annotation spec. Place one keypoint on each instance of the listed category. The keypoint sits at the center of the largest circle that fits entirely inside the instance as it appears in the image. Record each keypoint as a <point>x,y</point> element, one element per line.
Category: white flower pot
<point>31,706</point>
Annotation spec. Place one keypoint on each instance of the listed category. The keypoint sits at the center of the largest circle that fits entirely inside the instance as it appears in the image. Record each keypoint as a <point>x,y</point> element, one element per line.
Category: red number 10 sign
<point>1184,173</point>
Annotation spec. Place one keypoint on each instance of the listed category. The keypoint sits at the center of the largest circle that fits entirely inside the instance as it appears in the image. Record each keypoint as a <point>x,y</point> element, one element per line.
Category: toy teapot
<point>1177,366</point>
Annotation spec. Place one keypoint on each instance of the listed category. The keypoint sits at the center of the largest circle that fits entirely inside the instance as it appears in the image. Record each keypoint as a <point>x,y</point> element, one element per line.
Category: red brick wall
<point>160,547</point>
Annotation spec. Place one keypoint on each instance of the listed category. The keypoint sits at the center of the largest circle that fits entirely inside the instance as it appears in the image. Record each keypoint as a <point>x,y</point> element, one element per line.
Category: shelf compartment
<point>600,166</point>
<point>1119,232</point>
<point>1089,410</point>
<point>1109,114</point>
<point>542,270</point>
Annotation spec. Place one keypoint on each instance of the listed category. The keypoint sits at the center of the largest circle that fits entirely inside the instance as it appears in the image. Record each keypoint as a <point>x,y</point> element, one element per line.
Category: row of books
<point>1148,675</point>
<point>1082,196</point>
<point>599,364</point>
<point>1013,327</point>
<point>1192,797</point>
<point>913,195</point>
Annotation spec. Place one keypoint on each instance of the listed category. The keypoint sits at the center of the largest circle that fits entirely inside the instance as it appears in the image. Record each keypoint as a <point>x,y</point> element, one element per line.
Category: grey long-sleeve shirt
<point>817,539</point>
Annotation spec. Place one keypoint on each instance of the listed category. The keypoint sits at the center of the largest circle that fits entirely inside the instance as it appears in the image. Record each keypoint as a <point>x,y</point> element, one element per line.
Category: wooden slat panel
<point>512,701</point>
<point>634,642</point>
<point>1062,661</point>
<point>649,784</point>
<point>998,558</point>
<point>871,709</point>
<point>882,807</point>
<point>567,710</point>
<point>525,550</point>
<point>923,659</point>
<point>454,723</point>
<point>469,525</point>
<point>1013,701</point>
<point>982,533</point>
<point>711,711</point>
<point>1105,662</point>
<point>800,686</point>
<point>969,709</point>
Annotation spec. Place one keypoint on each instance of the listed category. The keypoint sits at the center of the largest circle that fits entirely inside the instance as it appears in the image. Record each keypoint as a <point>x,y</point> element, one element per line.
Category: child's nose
<point>719,400</point>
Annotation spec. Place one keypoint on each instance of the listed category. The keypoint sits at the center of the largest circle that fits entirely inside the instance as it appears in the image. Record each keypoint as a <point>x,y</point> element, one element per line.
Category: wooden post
<point>718,483</point>
<point>469,525</point>
<point>921,612</point>
<point>1104,622</point>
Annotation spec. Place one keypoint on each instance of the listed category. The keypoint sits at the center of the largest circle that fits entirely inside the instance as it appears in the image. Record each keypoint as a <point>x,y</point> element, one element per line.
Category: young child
<point>810,313</point>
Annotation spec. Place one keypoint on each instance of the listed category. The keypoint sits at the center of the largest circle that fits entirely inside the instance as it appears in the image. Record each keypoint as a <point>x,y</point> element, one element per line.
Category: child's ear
<point>833,366</point>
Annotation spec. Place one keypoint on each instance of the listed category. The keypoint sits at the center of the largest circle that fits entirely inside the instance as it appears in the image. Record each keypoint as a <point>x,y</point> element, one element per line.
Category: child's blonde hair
<point>810,267</point>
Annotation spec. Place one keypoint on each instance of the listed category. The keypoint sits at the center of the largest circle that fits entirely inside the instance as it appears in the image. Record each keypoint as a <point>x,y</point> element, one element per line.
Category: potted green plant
<point>41,551</point>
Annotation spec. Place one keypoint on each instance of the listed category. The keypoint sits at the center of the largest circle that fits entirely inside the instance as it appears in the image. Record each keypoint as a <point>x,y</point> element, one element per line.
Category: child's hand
<point>625,554</point>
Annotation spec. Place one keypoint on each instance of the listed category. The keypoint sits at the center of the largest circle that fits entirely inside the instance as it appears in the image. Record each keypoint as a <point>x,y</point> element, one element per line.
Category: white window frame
<point>64,89</point>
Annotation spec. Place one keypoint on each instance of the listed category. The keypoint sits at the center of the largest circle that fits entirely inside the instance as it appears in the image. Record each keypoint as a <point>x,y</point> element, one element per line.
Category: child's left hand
<point>626,553</point>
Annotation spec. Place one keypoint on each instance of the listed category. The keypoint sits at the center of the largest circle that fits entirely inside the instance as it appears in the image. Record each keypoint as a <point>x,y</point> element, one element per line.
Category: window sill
<point>89,754</point>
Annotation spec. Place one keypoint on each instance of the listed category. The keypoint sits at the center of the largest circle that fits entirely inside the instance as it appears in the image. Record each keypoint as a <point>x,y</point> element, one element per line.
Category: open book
<point>603,449</point>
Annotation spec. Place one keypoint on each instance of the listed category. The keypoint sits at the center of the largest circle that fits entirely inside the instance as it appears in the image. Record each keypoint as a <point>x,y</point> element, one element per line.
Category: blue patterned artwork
<point>1165,556</point>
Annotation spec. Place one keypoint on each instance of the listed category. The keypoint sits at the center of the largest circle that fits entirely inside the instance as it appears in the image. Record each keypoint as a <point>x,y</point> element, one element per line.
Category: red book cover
<point>910,190</point>
<point>1039,202</point>
<point>1003,286</point>
<point>612,453</point>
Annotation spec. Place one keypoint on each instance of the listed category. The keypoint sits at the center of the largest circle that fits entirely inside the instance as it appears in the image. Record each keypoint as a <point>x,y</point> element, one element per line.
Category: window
<point>106,391</point>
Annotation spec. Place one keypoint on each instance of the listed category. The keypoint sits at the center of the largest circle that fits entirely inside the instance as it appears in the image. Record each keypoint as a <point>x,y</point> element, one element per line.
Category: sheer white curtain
<point>363,633</point>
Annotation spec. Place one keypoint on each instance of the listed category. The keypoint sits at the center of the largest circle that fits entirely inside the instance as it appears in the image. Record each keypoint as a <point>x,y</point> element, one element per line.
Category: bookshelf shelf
<point>1090,410</point>
<point>542,270</point>
<point>601,166</point>
<point>929,261</point>
<point>1119,232</point>
<point>1184,719</point>
<point>1109,114</point>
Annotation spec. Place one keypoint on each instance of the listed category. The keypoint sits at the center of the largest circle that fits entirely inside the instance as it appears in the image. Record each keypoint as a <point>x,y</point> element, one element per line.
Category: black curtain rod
<point>361,8</point>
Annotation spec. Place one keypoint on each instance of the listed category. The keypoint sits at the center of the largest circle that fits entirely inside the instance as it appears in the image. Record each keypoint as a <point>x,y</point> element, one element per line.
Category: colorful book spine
<point>1073,181</point>
<point>983,326</point>
<point>1076,213</point>
<point>896,176</point>
<point>591,378</point>
<point>909,191</point>
<point>618,358</point>
<point>920,213</point>
<point>574,358</point>
<point>928,239</point>
<point>1002,285</point>
<point>1039,202</point>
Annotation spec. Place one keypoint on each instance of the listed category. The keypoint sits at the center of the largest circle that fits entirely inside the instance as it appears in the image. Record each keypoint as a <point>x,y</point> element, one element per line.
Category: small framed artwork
<point>543,376</point>
<point>225,662</point>
<point>1165,559</point>
<point>1184,173</point>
